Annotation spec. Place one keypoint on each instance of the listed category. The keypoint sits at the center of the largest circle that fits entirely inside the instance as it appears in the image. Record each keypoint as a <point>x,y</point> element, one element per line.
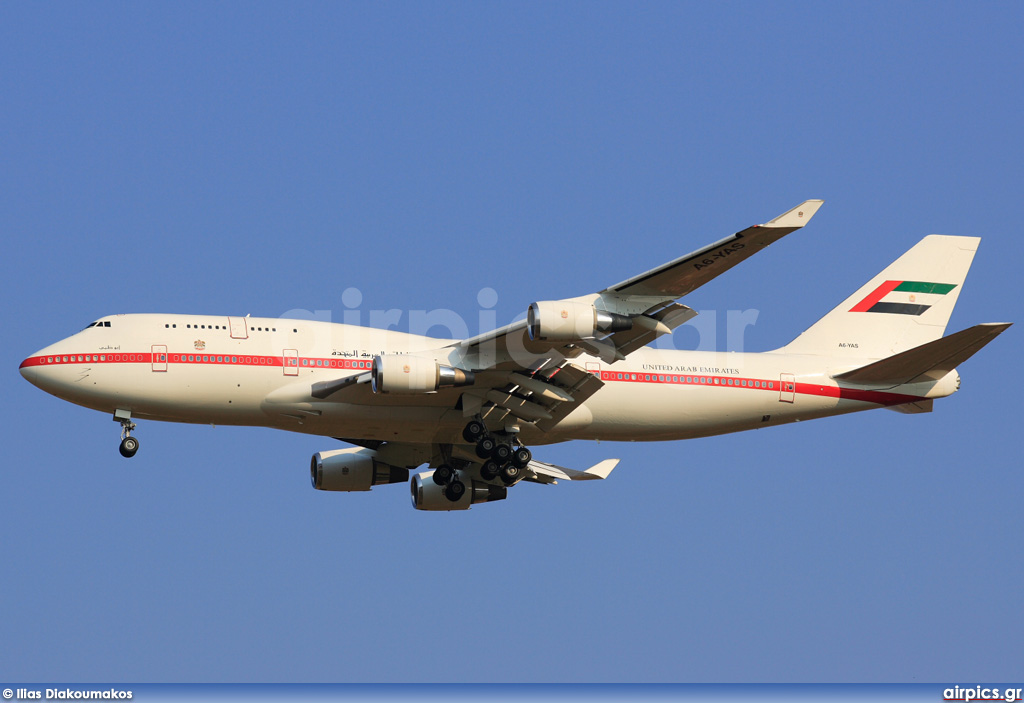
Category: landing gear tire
<point>129,445</point>
<point>489,470</point>
<point>443,475</point>
<point>521,457</point>
<point>474,431</point>
<point>455,490</point>
<point>510,473</point>
<point>485,447</point>
<point>501,453</point>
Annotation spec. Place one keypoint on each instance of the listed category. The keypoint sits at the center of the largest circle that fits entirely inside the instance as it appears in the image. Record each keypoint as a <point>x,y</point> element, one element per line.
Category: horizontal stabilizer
<point>929,361</point>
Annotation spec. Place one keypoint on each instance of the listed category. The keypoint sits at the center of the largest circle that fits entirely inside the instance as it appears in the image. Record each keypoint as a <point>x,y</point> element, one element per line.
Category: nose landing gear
<point>129,445</point>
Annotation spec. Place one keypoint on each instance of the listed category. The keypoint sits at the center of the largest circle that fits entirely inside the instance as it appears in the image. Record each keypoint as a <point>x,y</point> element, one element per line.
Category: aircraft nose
<point>29,368</point>
<point>34,370</point>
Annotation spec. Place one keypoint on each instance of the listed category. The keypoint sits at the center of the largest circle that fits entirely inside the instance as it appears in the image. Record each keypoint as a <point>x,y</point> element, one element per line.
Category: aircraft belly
<point>405,424</point>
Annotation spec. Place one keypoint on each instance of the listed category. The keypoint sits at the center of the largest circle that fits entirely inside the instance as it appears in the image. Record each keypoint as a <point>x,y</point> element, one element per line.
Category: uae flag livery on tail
<point>903,297</point>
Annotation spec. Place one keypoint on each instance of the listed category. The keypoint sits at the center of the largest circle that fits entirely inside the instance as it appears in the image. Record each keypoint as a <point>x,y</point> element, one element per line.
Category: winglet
<point>798,216</point>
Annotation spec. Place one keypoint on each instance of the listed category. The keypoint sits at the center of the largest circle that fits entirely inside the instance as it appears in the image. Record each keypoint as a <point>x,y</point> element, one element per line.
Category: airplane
<point>574,369</point>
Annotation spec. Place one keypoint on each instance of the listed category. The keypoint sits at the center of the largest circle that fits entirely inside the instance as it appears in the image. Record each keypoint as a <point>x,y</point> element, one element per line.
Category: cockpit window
<point>99,323</point>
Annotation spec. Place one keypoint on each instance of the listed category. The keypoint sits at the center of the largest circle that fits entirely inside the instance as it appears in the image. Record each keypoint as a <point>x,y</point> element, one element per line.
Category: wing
<point>687,273</point>
<point>648,300</point>
<point>539,472</point>
<point>522,372</point>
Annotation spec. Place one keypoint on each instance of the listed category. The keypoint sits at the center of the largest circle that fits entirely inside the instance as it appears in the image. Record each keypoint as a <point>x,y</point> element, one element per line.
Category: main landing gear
<point>500,458</point>
<point>129,445</point>
<point>444,475</point>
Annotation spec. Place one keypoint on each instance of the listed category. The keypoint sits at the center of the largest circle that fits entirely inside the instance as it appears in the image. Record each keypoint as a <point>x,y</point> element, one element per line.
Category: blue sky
<point>237,158</point>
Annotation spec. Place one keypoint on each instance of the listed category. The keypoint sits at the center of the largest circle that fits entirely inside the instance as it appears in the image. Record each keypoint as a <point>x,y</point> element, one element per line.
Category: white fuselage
<point>250,371</point>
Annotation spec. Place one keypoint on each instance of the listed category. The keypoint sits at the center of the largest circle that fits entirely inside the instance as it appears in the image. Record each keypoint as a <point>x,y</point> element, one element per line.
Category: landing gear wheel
<point>129,445</point>
<point>501,453</point>
<point>485,447</point>
<point>455,490</point>
<point>510,473</point>
<point>443,475</point>
<point>521,457</point>
<point>489,470</point>
<point>474,431</point>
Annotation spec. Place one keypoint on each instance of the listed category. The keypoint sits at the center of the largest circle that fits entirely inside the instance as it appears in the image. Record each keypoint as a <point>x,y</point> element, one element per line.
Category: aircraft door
<point>291,362</point>
<point>239,327</point>
<point>159,358</point>
<point>787,388</point>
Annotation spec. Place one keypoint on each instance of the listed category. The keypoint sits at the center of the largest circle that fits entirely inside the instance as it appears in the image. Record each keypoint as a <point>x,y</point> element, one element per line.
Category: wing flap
<point>662,321</point>
<point>324,389</point>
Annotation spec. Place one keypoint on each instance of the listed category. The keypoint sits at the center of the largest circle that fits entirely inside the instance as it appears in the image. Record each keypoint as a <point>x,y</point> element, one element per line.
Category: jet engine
<point>427,495</point>
<point>403,373</point>
<point>569,321</point>
<point>352,469</point>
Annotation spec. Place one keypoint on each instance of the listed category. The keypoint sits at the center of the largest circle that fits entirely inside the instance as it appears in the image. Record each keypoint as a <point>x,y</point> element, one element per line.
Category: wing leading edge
<point>687,273</point>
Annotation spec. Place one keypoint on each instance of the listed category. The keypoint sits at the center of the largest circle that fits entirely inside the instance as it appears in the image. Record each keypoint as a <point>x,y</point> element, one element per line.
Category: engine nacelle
<point>569,321</point>
<point>404,373</point>
<point>427,495</point>
<point>352,469</point>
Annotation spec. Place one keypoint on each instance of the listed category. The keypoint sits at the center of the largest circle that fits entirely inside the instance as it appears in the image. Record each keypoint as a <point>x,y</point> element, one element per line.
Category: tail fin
<point>906,305</point>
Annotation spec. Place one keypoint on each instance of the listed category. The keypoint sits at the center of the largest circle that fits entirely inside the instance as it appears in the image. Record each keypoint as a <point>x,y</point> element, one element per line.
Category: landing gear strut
<point>129,445</point>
